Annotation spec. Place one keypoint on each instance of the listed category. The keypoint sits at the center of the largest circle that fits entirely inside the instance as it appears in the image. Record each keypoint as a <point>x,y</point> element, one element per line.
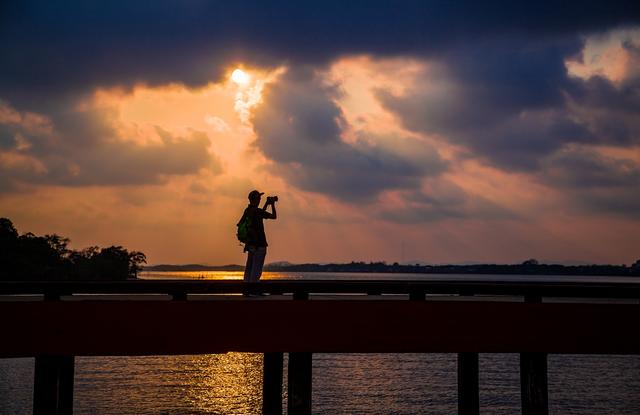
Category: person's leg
<point>258,262</point>
<point>248,268</point>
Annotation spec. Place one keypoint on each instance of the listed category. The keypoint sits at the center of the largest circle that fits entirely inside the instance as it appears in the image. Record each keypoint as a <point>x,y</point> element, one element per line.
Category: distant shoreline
<point>192,267</point>
<point>527,268</point>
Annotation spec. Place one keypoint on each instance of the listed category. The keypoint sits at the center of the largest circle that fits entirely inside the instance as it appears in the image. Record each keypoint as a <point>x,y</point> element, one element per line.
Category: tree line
<point>528,267</point>
<point>43,258</point>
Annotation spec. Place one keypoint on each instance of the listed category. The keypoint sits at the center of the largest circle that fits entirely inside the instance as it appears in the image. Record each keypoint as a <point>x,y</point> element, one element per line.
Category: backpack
<point>244,229</point>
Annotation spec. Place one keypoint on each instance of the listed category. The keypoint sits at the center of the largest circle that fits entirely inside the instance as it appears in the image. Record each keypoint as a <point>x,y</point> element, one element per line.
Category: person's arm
<point>273,214</point>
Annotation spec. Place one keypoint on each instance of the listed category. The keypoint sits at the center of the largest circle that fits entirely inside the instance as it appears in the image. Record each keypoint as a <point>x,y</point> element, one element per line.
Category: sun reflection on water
<point>225,383</point>
<point>228,383</point>
<point>212,275</point>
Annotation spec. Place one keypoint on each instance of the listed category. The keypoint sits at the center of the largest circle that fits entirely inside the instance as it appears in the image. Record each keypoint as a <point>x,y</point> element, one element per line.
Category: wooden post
<point>532,298</point>
<point>179,296</point>
<point>299,374</point>
<point>300,295</point>
<point>299,402</point>
<point>416,295</point>
<point>272,384</point>
<point>533,382</point>
<point>53,385</point>
<point>468,384</point>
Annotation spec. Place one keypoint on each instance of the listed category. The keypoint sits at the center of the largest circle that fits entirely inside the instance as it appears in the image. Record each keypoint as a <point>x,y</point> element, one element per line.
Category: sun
<point>240,77</point>
<point>248,87</point>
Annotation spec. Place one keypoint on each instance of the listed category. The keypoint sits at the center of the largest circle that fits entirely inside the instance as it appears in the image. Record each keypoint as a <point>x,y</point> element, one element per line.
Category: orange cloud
<point>467,211</point>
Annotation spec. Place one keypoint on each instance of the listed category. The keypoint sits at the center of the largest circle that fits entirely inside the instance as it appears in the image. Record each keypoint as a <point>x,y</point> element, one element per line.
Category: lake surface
<point>337,276</point>
<point>342,383</point>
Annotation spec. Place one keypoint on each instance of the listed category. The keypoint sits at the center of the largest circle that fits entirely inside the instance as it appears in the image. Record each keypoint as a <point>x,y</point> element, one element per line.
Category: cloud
<point>588,169</point>
<point>235,187</point>
<point>505,102</point>
<point>513,103</point>
<point>52,49</point>
<point>596,183</point>
<point>441,200</point>
<point>611,111</point>
<point>217,124</point>
<point>299,127</point>
<point>624,203</point>
<point>496,84</point>
<point>83,148</point>
<point>520,110</point>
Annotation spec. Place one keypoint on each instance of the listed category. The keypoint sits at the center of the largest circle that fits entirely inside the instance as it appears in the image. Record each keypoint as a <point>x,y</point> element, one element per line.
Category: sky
<point>431,131</point>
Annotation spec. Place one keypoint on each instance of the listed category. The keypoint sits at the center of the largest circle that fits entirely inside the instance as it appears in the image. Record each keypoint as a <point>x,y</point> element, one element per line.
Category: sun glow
<point>240,77</point>
<point>249,89</point>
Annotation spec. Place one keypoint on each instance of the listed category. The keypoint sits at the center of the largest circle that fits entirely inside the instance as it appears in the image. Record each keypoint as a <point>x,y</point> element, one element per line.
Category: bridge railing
<point>528,288</point>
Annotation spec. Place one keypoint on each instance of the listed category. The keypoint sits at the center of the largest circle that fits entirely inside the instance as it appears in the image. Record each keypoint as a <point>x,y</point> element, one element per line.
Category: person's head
<point>254,197</point>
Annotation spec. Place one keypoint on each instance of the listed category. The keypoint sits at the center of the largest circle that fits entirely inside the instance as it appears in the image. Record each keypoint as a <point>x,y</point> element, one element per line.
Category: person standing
<point>256,239</point>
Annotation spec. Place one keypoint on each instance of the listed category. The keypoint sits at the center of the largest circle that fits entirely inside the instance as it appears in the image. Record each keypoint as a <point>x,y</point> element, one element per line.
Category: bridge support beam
<point>299,402</point>
<point>468,384</point>
<point>533,382</point>
<point>53,385</point>
<point>272,384</point>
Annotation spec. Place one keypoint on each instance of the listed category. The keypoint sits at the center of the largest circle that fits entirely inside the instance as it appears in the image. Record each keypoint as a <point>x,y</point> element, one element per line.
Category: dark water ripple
<point>342,384</point>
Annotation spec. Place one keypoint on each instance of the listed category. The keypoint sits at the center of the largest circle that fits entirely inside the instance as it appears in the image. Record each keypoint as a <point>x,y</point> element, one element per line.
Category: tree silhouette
<point>31,257</point>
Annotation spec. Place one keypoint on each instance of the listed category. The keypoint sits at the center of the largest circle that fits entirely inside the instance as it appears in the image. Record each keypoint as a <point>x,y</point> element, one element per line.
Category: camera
<point>271,199</point>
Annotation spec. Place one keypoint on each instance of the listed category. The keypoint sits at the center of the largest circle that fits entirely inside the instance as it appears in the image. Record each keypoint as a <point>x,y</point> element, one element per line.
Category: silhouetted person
<point>256,241</point>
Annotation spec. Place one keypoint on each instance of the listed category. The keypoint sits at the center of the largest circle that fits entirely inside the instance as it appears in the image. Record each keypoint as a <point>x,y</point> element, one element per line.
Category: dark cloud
<point>51,48</point>
<point>7,137</point>
<point>588,169</point>
<point>443,200</point>
<point>514,103</point>
<point>84,149</point>
<point>547,129</point>
<point>625,203</point>
<point>595,182</point>
<point>299,128</point>
<point>504,101</point>
<point>117,162</point>
<point>611,111</point>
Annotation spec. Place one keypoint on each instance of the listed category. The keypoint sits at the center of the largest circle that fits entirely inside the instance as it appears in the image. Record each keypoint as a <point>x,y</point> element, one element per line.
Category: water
<point>342,383</point>
<point>338,276</point>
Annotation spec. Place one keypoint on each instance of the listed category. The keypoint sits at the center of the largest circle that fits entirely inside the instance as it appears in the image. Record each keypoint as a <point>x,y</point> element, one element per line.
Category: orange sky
<point>504,216</point>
